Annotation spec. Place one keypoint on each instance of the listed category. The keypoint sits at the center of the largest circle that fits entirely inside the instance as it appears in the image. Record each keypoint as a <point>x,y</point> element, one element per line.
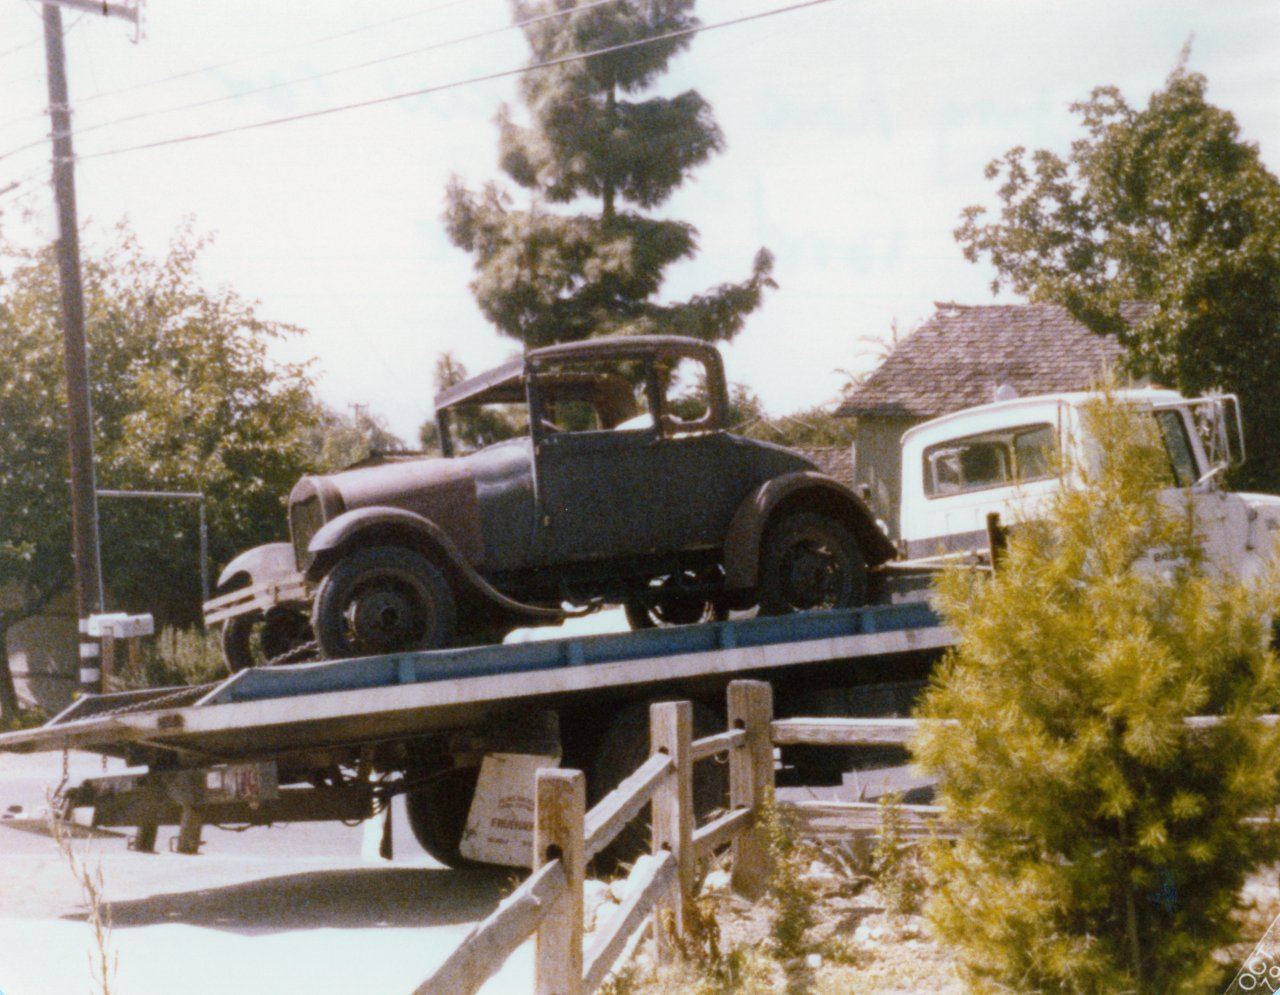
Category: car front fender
<point>274,561</point>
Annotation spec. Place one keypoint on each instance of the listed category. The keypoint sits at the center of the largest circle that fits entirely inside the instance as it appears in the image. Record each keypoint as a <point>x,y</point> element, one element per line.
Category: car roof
<point>505,383</point>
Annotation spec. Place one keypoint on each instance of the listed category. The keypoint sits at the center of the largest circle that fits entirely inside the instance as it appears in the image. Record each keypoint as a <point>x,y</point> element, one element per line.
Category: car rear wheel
<point>383,599</point>
<point>810,561</point>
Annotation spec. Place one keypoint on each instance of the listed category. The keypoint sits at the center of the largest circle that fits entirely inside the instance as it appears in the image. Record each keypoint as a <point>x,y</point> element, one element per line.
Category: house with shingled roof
<point>959,358</point>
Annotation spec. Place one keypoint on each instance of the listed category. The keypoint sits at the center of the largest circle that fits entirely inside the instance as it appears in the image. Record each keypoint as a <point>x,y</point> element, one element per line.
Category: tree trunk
<point>8,695</point>
<point>608,193</point>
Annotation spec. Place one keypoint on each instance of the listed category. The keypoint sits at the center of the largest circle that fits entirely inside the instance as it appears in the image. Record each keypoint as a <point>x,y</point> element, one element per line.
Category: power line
<point>262,55</point>
<point>435,46</point>
<point>488,77</point>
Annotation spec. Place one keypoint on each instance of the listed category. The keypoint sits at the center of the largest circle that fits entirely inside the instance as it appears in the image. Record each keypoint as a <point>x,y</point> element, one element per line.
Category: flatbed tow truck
<point>338,739</point>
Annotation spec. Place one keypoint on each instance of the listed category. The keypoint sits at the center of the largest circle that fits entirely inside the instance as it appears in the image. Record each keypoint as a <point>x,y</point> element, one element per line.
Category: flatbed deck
<point>347,703</point>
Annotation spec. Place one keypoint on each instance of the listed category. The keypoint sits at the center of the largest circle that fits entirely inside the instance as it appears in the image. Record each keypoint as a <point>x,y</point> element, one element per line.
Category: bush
<point>1102,846</point>
<point>181,656</point>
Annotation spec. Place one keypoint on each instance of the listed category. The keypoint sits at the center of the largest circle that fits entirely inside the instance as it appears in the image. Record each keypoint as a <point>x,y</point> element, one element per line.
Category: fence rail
<point>549,904</point>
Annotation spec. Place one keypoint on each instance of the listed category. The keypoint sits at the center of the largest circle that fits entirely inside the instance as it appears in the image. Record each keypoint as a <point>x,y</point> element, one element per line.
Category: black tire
<point>810,561</point>
<point>257,639</point>
<point>622,748</point>
<point>383,599</point>
<point>438,813</point>
<point>669,606</point>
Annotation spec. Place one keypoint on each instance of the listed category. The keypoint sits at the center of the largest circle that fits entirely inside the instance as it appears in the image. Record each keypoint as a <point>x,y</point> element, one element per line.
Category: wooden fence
<point>549,904</point>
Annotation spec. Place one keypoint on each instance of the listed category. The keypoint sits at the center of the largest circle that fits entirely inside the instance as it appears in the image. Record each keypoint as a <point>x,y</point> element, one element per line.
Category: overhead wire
<point>434,46</point>
<point>456,84</point>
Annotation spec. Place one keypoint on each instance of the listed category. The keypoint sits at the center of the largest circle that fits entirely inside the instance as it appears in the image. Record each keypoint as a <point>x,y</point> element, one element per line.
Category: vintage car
<point>597,472</point>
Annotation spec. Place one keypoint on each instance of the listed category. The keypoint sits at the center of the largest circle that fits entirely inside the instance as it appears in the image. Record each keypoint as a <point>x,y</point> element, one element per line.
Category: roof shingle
<point>963,353</point>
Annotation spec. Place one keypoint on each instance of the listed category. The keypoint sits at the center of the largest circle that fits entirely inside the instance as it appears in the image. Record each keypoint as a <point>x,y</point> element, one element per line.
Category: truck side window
<point>990,460</point>
<point>1182,462</point>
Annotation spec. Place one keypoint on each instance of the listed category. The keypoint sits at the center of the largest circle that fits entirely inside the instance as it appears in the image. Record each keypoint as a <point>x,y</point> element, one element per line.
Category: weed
<point>896,862</point>
<point>103,962</point>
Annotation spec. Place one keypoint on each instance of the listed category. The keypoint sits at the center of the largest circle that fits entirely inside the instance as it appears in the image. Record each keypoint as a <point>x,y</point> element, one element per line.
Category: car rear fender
<point>398,527</point>
<point>807,490</point>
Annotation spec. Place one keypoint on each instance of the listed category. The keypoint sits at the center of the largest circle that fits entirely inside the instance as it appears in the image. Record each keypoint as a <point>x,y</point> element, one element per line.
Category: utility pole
<point>84,502</point>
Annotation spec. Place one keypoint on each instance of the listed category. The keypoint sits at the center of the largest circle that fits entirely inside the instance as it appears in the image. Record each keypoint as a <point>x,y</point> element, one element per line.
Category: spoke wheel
<point>810,561</point>
<point>674,604</point>
<point>258,639</point>
<point>383,599</point>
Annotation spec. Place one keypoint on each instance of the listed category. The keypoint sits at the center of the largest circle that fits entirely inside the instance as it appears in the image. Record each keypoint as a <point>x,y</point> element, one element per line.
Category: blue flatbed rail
<point>303,706</point>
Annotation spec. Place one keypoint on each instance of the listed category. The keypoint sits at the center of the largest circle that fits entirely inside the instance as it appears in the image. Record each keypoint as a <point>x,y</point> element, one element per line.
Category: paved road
<point>284,909</point>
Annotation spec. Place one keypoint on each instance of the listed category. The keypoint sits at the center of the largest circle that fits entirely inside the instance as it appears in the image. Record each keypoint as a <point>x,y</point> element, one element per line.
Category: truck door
<point>1221,517</point>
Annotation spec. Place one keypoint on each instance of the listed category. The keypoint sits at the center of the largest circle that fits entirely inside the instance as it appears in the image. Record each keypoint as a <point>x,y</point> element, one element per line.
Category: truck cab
<point>1012,456</point>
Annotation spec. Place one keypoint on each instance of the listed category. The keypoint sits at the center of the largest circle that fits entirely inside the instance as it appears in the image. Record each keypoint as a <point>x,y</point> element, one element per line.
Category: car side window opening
<point>992,459</point>
<point>600,396</point>
<point>1182,461</point>
<point>686,397</point>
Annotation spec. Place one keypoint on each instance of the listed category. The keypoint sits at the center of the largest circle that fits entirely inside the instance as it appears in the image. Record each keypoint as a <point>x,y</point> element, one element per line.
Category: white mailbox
<point>119,625</point>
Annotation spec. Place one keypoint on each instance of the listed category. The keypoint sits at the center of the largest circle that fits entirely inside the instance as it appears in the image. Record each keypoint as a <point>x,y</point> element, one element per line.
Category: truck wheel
<point>383,599</point>
<point>438,813</point>
<point>809,560</point>
<point>622,748</point>
<point>257,639</point>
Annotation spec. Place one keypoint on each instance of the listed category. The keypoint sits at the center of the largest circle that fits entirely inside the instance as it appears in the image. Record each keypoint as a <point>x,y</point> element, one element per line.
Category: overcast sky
<point>857,130</point>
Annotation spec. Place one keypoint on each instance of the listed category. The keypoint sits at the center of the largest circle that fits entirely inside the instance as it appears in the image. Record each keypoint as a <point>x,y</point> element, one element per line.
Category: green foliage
<point>543,277</point>
<point>334,440</point>
<point>182,656</point>
<point>1102,845</point>
<point>1165,205</point>
<point>896,862</point>
<point>793,897</point>
<point>184,398</point>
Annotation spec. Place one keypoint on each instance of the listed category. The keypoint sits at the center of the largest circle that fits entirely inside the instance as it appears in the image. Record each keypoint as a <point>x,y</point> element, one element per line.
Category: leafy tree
<point>334,440</point>
<point>1168,205</point>
<point>1102,846</point>
<point>545,277</point>
<point>184,397</point>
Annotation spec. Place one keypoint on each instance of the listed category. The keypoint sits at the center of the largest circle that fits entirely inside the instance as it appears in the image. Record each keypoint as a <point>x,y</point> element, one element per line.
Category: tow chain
<point>302,652</point>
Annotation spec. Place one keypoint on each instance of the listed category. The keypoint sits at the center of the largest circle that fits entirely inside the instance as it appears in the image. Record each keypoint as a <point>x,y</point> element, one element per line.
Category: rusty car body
<point>606,476</point>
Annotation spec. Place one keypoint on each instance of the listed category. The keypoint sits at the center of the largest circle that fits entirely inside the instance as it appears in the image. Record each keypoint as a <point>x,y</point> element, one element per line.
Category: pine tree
<point>546,277</point>
<point>1102,843</point>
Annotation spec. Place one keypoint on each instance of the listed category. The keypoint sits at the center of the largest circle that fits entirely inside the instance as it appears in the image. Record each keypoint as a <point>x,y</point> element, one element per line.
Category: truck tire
<point>808,561</point>
<point>256,639</point>
<point>383,599</point>
<point>622,748</point>
<point>438,812</point>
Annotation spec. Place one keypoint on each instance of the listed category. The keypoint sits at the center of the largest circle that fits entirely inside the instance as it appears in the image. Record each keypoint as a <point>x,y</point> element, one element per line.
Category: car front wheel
<point>810,561</point>
<point>383,599</point>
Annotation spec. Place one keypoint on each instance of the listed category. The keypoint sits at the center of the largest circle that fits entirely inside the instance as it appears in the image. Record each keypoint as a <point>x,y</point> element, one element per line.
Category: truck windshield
<point>1182,461</point>
<point>992,459</point>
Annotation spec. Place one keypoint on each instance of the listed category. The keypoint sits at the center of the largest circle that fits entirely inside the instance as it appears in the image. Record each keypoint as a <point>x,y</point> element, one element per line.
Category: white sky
<point>856,130</point>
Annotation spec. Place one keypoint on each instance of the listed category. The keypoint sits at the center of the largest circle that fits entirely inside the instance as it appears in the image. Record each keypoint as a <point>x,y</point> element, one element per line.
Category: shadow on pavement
<point>336,899</point>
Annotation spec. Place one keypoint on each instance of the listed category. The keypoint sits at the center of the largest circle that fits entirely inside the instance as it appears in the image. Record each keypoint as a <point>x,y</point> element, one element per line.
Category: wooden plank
<point>652,877</point>
<point>845,732</point>
<point>486,948</point>
<point>722,742</point>
<point>751,782</point>
<point>559,811</point>
<point>718,832</point>
<point>822,819</point>
<point>671,732</point>
<point>623,803</point>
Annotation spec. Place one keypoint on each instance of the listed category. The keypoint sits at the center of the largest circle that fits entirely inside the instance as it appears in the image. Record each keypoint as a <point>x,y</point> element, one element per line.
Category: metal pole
<point>204,523</point>
<point>84,505</point>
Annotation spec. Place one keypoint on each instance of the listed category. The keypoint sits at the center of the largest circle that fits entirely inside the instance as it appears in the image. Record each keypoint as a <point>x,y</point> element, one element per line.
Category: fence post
<point>559,812</point>
<point>751,782</point>
<point>671,732</point>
